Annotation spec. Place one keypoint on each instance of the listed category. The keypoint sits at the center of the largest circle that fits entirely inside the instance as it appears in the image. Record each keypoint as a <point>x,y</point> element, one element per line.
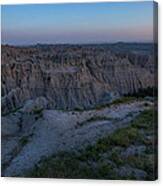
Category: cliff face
<point>71,77</point>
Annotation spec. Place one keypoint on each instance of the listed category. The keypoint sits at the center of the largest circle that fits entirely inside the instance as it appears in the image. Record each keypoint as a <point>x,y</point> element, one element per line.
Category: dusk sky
<point>77,23</point>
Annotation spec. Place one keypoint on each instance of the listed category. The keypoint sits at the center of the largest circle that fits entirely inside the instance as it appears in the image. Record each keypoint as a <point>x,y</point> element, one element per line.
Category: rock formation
<point>69,99</point>
<point>72,76</point>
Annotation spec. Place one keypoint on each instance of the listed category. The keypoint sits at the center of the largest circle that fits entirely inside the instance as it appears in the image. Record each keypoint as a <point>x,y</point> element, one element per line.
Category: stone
<point>10,125</point>
<point>68,80</point>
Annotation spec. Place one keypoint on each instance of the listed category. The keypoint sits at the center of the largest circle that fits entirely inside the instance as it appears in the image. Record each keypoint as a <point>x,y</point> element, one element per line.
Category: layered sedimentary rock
<point>71,77</point>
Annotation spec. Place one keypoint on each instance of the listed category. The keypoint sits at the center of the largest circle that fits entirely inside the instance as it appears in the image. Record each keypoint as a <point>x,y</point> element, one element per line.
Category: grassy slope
<point>101,160</point>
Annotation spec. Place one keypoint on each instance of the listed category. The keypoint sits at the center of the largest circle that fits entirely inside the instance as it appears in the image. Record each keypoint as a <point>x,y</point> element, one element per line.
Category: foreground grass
<point>95,118</point>
<point>121,100</point>
<point>103,160</point>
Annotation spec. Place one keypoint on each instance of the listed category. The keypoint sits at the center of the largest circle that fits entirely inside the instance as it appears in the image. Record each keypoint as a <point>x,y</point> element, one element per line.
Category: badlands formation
<point>72,77</point>
<point>64,98</point>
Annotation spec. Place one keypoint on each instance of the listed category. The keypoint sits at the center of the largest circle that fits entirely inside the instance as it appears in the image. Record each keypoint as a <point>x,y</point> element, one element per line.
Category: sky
<point>77,23</point>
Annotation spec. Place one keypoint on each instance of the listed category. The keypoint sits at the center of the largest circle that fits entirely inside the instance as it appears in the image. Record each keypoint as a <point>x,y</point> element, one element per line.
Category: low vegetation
<point>121,100</point>
<point>12,112</point>
<point>104,159</point>
<point>23,140</point>
<point>38,112</point>
<point>93,119</point>
<point>149,91</point>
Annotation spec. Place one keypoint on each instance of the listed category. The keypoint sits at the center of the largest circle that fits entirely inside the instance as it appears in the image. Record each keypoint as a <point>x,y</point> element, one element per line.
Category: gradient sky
<point>77,23</point>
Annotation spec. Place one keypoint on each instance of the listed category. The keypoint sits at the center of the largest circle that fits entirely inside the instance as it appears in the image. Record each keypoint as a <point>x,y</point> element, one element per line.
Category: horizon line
<point>82,43</point>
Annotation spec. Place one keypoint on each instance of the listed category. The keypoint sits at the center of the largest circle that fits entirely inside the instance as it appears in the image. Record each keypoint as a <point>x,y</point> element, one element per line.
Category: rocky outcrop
<point>71,77</point>
<point>54,131</point>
